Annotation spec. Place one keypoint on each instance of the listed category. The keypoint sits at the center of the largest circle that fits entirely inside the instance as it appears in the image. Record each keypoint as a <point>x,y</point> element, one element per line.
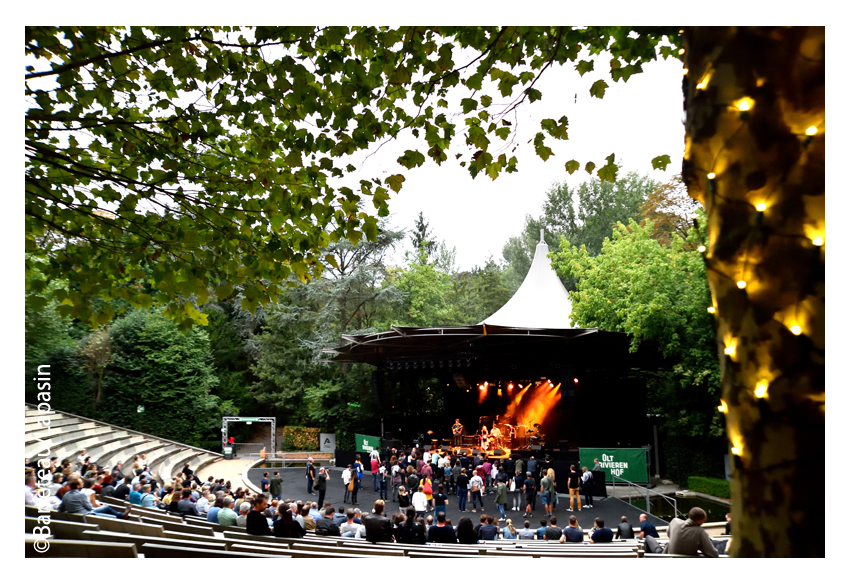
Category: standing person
<point>457,432</point>
<point>428,489</point>
<point>346,480</point>
<point>440,500</point>
<point>264,484</point>
<point>397,477</point>
<point>596,466</point>
<point>420,502</point>
<point>519,466</point>
<point>354,486</point>
<point>587,487</point>
<point>501,498</point>
<point>382,482</point>
<point>311,475</point>
<point>322,485</point>
<point>476,484</point>
<point>275,486</point>
<point>529,487</point>
<point>546,495</point>
<point>375,464</point>
<point>462,490</point>
<point>412,480</point>
<point>573,481</point>
<point>403,499</point>
<point>516,491</point>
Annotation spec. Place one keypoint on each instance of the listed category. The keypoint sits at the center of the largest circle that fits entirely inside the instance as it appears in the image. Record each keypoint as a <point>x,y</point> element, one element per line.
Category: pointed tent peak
<point>541,301</point>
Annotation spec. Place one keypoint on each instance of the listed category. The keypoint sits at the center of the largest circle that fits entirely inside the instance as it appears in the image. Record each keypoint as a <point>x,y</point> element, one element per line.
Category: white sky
<point>637,120</point>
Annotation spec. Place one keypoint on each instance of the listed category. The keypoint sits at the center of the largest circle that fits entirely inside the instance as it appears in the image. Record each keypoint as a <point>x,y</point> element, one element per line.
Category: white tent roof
<point>541,300</point>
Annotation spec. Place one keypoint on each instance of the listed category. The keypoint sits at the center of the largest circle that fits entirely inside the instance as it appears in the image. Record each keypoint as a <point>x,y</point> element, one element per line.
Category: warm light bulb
<point>711,176</point>
<point>730,350</point>
<point>818,241</point>
<point>701,249</point>
<point>811,131</point>
<point>575,379</point>
<point>737,450</point>
<point>761,390</point>
<point>681,51</point>
<point>685,71</point>
<point>711,310</point>
<point>796,329</point>
<point>742,284</point>
<point>693,215</point>
<point>761,206</point>
<point>744,104</point>
<point>722,407</point>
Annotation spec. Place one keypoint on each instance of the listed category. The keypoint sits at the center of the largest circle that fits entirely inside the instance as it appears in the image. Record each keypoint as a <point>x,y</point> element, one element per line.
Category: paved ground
<point>609,509</point>
<point>229,470</point>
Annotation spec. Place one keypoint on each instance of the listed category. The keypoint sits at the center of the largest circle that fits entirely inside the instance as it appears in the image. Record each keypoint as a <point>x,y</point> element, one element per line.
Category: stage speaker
<point>475,451</point>
<point>536,447</point>
<point>498,452</point>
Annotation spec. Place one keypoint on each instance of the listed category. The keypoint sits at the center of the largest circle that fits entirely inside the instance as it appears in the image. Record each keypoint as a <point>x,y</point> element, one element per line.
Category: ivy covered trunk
<point>754,156</point>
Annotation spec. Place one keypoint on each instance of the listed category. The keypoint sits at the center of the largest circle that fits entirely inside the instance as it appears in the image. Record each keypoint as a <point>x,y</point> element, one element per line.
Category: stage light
<point>711,176</point>
<point>744,104</point>
<point>817,241</point>
<point>486,384</point>
<point>730,350</point>
<point>742,284</point>
<point>761,390</point>
<point>575,380</point>
<point>722,407</point>
<point>796,329</point>
<point>737,450</point>
<point>811,131</point>
<point>761,207</point>
<point>711,310</point>
<point>701,249</point>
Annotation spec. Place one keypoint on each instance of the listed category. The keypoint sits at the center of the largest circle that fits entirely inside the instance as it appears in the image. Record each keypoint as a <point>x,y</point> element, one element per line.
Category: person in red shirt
<point>375,467</point>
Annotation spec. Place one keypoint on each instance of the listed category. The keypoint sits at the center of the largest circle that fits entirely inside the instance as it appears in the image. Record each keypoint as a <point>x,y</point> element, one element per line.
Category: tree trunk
<point>765,268</point>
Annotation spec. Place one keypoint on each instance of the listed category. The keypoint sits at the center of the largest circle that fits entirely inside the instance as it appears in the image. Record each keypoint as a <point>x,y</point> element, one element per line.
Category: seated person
<point>572,533</point>
<point>601,534</point>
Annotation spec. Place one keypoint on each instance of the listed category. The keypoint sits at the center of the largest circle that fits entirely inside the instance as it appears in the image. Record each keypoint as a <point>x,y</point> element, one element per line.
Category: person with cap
<point>310,475</point>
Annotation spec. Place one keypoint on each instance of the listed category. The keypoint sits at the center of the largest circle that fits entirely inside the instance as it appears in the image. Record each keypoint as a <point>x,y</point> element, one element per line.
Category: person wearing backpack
<point>428,489</point>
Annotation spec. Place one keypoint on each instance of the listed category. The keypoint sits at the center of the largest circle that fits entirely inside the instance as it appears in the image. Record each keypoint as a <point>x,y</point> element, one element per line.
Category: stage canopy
<point>532,327</point>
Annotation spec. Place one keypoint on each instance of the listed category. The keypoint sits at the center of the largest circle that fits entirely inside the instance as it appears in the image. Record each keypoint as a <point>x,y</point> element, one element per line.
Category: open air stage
<point>609,509</point>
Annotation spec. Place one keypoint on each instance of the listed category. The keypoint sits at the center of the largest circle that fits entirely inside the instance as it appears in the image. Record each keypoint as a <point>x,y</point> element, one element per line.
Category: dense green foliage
<point>194,160</point>
<point>584,215</point>
<point>713,487</point>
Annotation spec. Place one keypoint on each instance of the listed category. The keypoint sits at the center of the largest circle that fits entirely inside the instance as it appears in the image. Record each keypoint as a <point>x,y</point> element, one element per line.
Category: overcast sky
<point>636,120</point>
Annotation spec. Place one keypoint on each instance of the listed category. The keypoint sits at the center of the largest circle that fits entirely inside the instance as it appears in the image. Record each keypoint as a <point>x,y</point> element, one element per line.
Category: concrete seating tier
<point>107,445</point>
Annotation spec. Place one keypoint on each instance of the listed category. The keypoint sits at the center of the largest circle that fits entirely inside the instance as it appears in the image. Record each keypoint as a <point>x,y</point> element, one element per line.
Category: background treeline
<point>625,250</point>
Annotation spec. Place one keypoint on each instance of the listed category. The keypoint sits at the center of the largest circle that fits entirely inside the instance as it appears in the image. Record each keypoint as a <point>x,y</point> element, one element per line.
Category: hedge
<point>299,438</point>
<point>713,487</point>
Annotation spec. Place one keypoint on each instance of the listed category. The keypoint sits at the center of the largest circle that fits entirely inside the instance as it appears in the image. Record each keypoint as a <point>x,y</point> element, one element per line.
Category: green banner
<point>248,419</point>
<point>623,463</point>
<point>366,443</point>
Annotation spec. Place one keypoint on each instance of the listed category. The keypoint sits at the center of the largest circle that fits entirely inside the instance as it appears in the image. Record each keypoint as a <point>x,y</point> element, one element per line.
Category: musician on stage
<point>485,438</point>
<point>495,436</point>
<point>457,430</point>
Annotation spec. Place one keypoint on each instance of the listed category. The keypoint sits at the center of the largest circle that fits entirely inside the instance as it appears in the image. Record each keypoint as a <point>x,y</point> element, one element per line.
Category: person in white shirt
<point>375,455</point>
<point>426,457</point>
<point>441,462</point>
<point>476,485</point>
<point>346,478</point>
<point>420,502</point>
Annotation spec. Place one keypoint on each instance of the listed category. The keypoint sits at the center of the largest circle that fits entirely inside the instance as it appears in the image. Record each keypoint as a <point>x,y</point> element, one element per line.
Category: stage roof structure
<point>532,327</point>
<point>541,301</point>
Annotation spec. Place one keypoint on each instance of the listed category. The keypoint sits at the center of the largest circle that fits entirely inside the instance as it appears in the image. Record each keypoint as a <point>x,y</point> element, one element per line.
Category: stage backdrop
<point>622,463</point>
<point>366,443</point>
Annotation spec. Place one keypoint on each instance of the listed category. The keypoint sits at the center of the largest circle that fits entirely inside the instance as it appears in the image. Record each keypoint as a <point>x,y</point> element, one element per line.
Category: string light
<point>796,329</point>
<point>761,390</point>
<point>817,241</point>
<point>701,249</point>
<point>711,310</point>
<point>722,407</point>
<point>742,284</point>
